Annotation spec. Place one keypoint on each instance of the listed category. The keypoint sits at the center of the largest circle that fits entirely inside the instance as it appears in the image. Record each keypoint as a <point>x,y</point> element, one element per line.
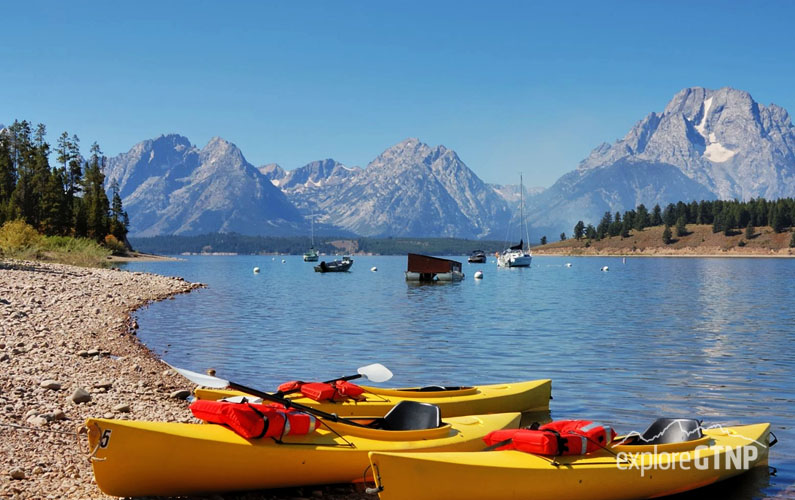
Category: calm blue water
<point>707,338</point>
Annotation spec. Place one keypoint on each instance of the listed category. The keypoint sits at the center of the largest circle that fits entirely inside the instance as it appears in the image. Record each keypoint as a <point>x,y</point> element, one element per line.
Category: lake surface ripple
<point>693,337</point>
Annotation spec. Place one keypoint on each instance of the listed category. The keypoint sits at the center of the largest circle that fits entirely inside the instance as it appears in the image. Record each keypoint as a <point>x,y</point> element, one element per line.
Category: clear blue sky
<point>511,86</point>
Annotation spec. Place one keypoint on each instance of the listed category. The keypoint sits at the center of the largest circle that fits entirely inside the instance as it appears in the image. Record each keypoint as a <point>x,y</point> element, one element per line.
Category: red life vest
<point>563,437</point>
<point>253,421</point>
<point>339,390</point>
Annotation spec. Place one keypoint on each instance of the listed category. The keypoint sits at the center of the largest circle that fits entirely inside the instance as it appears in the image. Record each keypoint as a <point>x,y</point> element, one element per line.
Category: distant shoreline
<point>699,242</point>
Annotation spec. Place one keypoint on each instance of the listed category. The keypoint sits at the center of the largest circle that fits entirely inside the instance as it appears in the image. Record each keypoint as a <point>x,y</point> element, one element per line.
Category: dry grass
<point>700,241</point>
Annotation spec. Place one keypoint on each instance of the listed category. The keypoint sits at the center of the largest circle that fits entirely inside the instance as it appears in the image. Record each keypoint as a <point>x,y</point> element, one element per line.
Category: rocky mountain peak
<point>722,139</point>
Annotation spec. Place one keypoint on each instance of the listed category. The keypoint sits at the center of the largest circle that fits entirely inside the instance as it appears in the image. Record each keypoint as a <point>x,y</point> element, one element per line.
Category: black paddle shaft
<point>291,404</point>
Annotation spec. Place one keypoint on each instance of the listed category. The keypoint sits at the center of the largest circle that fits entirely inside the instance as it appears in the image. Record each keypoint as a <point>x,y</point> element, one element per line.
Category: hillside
<point>701,241</point>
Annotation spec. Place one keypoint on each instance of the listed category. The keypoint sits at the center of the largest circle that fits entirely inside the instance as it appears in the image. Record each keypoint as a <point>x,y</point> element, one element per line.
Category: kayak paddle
<point>375,372</point>
<point>219,383</point>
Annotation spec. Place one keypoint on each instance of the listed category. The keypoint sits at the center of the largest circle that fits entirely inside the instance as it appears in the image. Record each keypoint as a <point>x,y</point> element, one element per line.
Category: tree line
<point>296,245</point>
<point>65,199</point>
<point>727,216</point>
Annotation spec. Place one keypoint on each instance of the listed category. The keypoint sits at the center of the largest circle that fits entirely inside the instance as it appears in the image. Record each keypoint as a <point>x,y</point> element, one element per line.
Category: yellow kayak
<point>532,395</point>
<point>626,471</point>
<point>137,458</point>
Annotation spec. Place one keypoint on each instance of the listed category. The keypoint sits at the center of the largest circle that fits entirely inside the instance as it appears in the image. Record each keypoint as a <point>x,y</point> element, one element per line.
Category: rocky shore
<point>68,351</point>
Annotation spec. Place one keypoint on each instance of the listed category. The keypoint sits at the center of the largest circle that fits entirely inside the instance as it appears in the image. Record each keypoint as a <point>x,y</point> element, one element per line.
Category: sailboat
<point>516,255</point>
<point>311,254</point>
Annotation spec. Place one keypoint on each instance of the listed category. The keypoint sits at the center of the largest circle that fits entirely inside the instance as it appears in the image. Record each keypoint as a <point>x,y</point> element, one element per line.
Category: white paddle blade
<point>375,372</point>
<point>202,379</point>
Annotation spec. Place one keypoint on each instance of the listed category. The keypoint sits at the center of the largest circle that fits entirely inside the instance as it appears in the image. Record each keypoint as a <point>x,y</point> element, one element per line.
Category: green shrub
<point>17,237</point>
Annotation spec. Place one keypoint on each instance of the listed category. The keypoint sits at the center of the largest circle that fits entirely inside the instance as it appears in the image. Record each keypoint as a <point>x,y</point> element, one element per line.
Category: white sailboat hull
<point>514,259</point>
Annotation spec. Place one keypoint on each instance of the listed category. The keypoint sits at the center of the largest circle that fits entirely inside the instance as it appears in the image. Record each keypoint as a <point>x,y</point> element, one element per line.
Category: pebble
<point>105,384</point>
<point>80,396</point>
<point>122,408</point>
<point>51,384</point>
<point>38,421</point>
<point>82,354</point>
<point>93,352</point>
<point>181,394</point>
<point>17,474</point>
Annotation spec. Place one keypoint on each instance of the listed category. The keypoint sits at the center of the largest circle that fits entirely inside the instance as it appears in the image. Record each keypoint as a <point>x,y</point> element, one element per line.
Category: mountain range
<point>705,144</point>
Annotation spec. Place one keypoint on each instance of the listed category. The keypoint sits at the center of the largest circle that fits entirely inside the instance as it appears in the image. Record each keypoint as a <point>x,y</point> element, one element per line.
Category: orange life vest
<point>563,437</point>
<point>339,390</point>
<point>253,421</point>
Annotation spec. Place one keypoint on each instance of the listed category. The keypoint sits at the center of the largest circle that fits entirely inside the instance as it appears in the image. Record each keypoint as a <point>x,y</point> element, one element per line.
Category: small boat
<point>426,268</point>
<point>626,469</point>
<point>336,266</point>
<point>527,396</point>
<point>138,458</point>
<point>517,255</point>
<point>311,255</point>
<point>477,257</point>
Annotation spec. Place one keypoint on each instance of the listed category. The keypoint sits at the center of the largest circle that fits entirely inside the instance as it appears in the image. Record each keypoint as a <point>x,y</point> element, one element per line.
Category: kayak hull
<point>531,395</point>
<point>137,458</point>
<point>513,474</point>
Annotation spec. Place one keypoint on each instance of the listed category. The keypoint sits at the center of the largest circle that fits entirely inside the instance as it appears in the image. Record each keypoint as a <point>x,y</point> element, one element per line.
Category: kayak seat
<point>671,430</point>
<point>412,415</point>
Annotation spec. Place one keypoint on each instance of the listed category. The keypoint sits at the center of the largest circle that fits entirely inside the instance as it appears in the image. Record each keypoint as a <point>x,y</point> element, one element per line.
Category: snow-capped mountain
<point>169,186</point>
<point>411,189</point>
<point>706,144</point>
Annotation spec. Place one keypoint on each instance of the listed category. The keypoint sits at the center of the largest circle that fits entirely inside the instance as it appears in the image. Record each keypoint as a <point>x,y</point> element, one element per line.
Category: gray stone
<point>80,396</point>
<point>104,384</point>
<point>181,394</point>
<point>82,354</point>
<point>93,352</point>
<point>38,421</point>
<point>122,408</point>
<point>51,384</point>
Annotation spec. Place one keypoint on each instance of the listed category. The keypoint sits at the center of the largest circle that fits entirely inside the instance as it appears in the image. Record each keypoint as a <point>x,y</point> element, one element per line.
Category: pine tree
<point>95,201</point>
<point>656,216</point>
<point>625,227</point>
<point>118,217</point>
<point>562,236</point>
<point>641,218</point>
<point>543,240</point>
<point>666,236</point>
<point>749,230</point>
<point>8,177</point>
<point>681,227</point>
<point>579,230</point>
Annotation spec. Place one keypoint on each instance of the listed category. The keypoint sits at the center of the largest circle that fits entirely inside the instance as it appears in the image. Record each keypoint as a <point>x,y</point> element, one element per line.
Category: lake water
<point>705,338</point>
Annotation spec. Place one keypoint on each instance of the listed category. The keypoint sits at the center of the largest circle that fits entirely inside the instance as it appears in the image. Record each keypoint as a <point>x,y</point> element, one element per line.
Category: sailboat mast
<point>313,230</point>
<point>521,206</point>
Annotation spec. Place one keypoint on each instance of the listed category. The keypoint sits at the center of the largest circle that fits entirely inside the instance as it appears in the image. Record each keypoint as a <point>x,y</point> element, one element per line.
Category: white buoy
<point>283,261</point>
<point>605,268</point>
<point>568,264</point>
<point>256,270</point>
<point>624,260</point>
<point>478,275</point>
<point>374,269</point>
<point>273,258</point>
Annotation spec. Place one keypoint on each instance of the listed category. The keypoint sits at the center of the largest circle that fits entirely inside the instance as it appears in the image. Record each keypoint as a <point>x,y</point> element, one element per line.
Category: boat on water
<point>336,266</point>
<point>517,255</point>
<point>628,468</point>
<point>311,255</point>
<point>529,396</point>
<point>477,257</point>
<point>138,458</point>
<point>426,268</point>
